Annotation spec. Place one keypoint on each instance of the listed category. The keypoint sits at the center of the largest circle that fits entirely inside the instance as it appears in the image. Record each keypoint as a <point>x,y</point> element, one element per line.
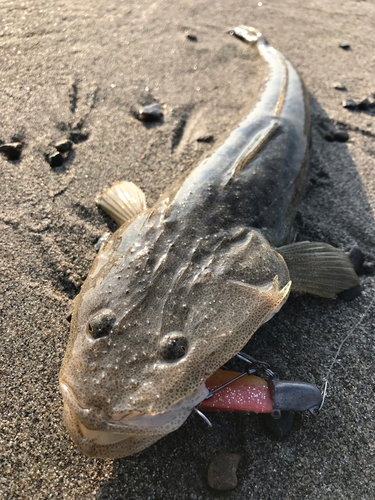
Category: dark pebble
<point>150,113</point>
<point>349,104</point>
<point>369,268</point>
<point>357,258</point>
<point>364,105</point>
<point>222,472</point>
<point>56,160</point>
<point>322,174</point>
<point>77,136</point>
<point>191,37</point>
<point>206,138</point>
<point>351,294</point>
<point>12,150</point>
<point>339,86</point>
<point>329,137</point>
<point>345,46</point>
<point>341,136</point>
<point>64,146</point>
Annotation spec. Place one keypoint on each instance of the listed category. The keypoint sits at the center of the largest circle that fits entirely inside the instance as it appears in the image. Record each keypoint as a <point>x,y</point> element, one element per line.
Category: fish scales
<point>180,288</point>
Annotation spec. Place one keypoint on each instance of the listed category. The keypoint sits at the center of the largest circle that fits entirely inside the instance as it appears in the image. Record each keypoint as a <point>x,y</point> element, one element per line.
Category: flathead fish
<point>181,287</point>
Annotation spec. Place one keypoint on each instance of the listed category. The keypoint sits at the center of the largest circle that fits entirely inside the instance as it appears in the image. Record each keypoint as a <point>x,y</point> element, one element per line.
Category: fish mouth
<point>100,435</point>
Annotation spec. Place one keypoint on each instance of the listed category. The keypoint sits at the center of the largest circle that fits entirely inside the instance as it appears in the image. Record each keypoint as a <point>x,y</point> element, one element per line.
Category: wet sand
<point>79,70</point>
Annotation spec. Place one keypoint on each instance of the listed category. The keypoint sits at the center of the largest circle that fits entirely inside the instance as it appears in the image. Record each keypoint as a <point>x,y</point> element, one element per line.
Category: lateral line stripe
<point>281,100</point>
<point>254,148</point>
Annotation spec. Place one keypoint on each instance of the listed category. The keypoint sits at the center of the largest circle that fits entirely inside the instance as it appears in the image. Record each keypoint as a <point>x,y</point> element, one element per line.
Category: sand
<point>79,70</point>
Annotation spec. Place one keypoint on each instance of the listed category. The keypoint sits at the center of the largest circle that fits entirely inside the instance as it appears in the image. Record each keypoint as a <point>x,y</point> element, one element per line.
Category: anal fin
<point>319,268</point>
<point>122,201</point>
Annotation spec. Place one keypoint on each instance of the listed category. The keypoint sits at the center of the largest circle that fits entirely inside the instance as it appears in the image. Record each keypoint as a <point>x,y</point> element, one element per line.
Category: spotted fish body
<point>180,288</point>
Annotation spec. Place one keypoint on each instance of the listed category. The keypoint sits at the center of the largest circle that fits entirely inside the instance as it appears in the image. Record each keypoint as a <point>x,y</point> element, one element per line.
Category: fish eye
<point>173,346</point>
<point>101,325</point>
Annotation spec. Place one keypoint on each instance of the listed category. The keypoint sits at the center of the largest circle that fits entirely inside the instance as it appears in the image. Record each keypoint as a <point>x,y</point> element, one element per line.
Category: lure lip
<point>295,396</point>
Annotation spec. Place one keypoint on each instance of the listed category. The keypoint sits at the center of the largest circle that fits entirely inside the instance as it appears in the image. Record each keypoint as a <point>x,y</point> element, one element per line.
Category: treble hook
<point>202,415</point>
<point>262,364</point>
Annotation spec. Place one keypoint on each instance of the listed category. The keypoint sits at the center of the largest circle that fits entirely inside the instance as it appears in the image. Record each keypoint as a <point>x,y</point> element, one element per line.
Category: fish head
<point>151,324</point>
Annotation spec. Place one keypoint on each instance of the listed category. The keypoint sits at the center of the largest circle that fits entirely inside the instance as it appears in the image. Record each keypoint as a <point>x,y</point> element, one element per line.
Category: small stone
<point>12,150</point>
<point>345,46</point>
<point>369,268</point>
<point>329,137</point>
<point>222,472</point>
<point>191,37</point>
<point>56,160</point>
<point>64,146</point>
<point>339,86</point>
<point>357,258</point>
<point>349,104</point>
<point>364,105</point>
<point>206,138</point>
<point>78,136</point>
<point>341,136</point>
<point>151,112</point>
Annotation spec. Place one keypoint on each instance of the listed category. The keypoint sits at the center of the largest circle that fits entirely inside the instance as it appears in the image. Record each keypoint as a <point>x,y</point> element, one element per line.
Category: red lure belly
<point>249,393</point>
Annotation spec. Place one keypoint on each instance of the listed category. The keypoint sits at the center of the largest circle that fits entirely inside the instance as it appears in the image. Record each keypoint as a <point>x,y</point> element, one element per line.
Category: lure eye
<point>173,346</point>
<point>101,325</point>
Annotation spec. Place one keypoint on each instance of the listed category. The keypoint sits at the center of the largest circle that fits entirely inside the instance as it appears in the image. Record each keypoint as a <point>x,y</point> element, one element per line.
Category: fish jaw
<point>98,435</point>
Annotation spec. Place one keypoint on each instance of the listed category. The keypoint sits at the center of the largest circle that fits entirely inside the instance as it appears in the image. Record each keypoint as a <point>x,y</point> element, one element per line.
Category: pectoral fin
<point>319,268</point>
<point>122,201</point>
